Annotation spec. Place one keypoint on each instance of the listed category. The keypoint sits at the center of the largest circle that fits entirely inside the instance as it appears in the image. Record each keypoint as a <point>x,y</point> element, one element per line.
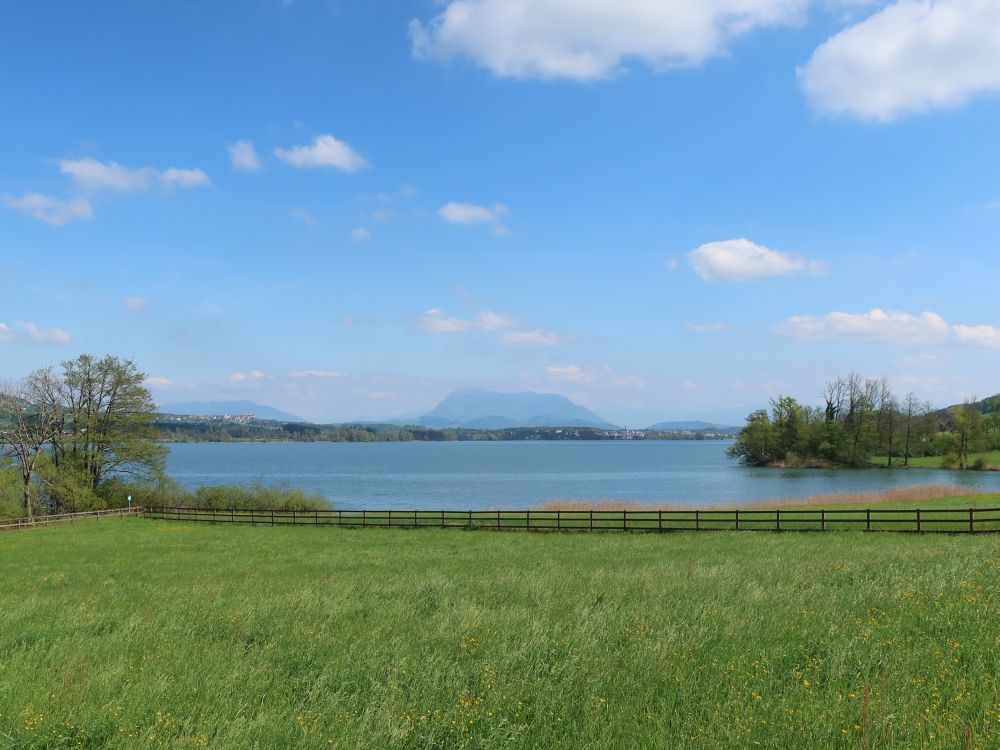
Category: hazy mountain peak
<point>482,409</point>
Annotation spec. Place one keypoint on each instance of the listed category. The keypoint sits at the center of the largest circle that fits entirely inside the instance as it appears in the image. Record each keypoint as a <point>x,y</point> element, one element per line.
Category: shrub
<point>257,496</point>
<point>950,461</point>
<point>11,502</point>
<point>979,464</point>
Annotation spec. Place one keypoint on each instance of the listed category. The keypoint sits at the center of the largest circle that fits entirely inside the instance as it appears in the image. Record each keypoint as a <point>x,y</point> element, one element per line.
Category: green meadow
<point>137,633</point>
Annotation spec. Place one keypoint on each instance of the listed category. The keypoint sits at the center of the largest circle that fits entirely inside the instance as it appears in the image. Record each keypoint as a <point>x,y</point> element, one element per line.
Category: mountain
<point>693,426</point>
<point>488,410</point>
<point>220,408</point>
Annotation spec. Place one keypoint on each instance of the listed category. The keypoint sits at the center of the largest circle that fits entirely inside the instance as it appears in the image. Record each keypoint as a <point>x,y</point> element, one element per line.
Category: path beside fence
<point>18,524</point>
<point>940,520</point>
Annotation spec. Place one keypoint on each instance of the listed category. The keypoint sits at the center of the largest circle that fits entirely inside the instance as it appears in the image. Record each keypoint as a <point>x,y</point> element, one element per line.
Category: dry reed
<point>914,494</point>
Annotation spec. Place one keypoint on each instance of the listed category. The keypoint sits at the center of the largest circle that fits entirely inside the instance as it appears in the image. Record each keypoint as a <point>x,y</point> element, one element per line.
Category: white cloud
<point>491,321</point>
<point>589,40</point>
<point>135,304</point>
<point>316,375</point>
<point>5,333</point>
<point>603,376</point>
<point>706,327</point>
<point>979,335</point>
<point>569,374</point>
<point>300,214</point>
<point>743,260</point>
<point>157,381</point>
<point>470,213</point>
<point>32,332</point>
<point>184,178</point>
<point>435,322</point>
<point>55,211</point>
<point>535,338</point>
<point>360,234</point>
<point>911,56</point>
<point>91,174</point>
<point>248,377</point>
<point>243,156</point>
<point>325,151</point>
<point>893,328</point>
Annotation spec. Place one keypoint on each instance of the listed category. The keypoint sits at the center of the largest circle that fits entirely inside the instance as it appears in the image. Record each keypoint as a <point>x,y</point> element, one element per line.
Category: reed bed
<point>919,493</point>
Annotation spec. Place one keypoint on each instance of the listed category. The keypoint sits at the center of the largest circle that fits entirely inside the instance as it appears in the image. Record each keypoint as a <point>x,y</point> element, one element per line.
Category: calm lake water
<point>479,475</point>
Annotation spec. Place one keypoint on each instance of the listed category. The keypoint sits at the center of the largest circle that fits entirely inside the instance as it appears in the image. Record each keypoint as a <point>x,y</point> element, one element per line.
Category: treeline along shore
<point>862,422</point>
<point>180,429</point>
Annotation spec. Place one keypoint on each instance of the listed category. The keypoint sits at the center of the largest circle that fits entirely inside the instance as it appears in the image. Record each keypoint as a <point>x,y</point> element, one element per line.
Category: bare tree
<point>833,397</point>
<point>30,418</point>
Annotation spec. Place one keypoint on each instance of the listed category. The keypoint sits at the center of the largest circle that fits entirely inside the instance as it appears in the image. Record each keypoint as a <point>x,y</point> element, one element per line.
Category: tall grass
<point>142,634</point>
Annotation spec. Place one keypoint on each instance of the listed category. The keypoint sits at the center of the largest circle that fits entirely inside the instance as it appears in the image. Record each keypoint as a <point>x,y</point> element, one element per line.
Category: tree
<point>787,423</point>
<point>109,416</point>
<point>31,417</point>
<point>966,425</point>
<point>756,444</point>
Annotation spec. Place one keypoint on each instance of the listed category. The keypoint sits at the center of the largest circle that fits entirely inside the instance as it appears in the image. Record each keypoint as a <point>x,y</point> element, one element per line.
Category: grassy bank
<point>138,633</point>
<point>989,458</point>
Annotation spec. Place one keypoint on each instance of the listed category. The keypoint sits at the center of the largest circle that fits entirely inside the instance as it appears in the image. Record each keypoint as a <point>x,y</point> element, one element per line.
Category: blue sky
<point>348,209</point>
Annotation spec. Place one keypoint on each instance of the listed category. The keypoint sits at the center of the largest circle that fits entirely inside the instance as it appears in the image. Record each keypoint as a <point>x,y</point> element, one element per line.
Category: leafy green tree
<point>757,442</point>
<point>966,427</point>
<point>787,423</point>
<point>109,415</point>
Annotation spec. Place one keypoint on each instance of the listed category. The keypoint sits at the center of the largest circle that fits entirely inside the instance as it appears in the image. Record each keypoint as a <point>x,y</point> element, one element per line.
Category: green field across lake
<point>136,633</point>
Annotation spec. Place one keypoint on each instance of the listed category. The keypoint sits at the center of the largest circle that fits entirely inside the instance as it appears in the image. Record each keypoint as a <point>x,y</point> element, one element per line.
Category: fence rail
<point>19,524</point>
<point>912,520</point>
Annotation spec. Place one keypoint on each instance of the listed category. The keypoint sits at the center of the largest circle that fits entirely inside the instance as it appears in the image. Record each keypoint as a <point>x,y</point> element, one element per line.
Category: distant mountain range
<point>477,409</point>
<point>693,426</point>
<point>220,408</point>
<point>468,408</point>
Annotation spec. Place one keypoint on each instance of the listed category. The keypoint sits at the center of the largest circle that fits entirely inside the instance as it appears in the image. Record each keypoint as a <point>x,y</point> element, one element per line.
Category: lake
<point>487,475</point>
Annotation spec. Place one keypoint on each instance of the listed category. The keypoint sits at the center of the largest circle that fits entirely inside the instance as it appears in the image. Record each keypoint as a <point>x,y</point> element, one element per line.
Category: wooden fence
<point>940,520</point>
<point>18,524</point>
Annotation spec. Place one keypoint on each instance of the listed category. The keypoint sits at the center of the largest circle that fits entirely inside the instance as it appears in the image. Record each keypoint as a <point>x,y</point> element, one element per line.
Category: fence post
<point>822,519</point>
<point>624,520</point>
<point>737,520</point>
<point>316,514</point>
<point>272,518</point>
<point>527,519</point>
<point>918,520</point>
<point>470,519</point>
<point>659,519</point>
<point>364,518</point>
<point>558,520</point>
<point>414,519</point>
<point>390,519</point>
<point>442,519</point>
<point>591,519</point>
<point>697,520</point>
<point>972,521</point>
<point>777,520</point>
<point>868,519</point>
<point>498,520</point>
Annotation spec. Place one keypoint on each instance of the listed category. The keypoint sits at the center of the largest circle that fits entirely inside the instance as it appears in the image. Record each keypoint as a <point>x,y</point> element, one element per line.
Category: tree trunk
<point>27,498</point>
